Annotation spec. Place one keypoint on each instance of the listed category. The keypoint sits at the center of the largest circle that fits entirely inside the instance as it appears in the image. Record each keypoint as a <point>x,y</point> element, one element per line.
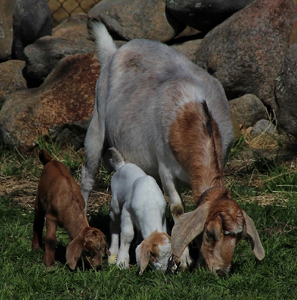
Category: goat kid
<point>59,200</point>
<point>148,104</point>
<point>137,202</point>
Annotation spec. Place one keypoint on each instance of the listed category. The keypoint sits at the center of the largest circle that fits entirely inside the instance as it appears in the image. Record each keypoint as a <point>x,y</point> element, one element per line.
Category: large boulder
<point>11,78</point>
<point>65,98</point>
<point>286,93</point>
<point>128,20</point>
<point>204,15</point>
<point>6,32</point>
<point>31,20</point>
<point>245,53</point>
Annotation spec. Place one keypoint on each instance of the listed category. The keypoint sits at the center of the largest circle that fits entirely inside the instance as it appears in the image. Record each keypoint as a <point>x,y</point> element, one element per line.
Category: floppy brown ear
<point>187,227</point>
<point>73,252</point>
<point>254,237</point>
<point>143,255</point>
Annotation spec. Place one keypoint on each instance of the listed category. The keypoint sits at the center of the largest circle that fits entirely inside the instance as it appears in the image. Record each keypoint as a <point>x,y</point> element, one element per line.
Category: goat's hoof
<point>112,259</point>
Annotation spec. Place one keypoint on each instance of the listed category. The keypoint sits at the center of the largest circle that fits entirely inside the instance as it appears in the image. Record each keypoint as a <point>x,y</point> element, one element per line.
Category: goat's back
<point>57,188</point>
<point>149,84</point>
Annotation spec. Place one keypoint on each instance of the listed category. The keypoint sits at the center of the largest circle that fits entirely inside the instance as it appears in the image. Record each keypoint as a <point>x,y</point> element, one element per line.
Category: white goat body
<point>137,202</point>
<point>162,112</point>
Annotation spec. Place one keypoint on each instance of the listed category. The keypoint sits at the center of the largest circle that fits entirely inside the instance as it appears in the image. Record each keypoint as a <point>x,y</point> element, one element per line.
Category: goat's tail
<point>105,44</point>
<point>117,159</point>
<point>45,157</point>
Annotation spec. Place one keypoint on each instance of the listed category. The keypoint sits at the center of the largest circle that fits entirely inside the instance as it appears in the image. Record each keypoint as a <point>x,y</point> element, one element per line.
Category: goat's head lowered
<point>217,225</point>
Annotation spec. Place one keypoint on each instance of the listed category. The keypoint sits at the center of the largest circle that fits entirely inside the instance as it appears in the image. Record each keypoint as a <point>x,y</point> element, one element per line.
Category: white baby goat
<point>137,202</point>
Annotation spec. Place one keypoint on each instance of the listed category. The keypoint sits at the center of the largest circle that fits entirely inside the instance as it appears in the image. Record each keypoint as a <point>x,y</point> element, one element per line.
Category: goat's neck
<point>203,177</point>
<point>77,224</point>
<point>195,141</point>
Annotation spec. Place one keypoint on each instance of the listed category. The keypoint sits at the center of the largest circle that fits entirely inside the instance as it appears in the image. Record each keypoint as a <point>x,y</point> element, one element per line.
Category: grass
<point>267,194</point>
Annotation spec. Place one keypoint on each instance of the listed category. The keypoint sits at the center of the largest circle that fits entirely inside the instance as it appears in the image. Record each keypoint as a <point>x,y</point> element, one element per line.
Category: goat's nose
<point>221,273</point>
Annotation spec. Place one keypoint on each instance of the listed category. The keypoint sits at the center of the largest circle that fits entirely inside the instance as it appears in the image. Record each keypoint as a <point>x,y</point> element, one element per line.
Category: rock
<point>248,109</point>
<point>286,93</point>
<point>28,25</point>
<point>204,15</point>
<point>11,78</point>
<point>44,54</point>
<point>66,98</point>
<point>263,127</point>
<point>126,19</point>
<point>189,49</point>
<point>245,53</point>
<point>6,32</point>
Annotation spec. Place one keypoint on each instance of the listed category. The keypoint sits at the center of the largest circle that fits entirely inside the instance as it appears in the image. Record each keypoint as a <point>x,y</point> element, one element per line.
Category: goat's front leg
<point>127,235</point>
<point>93,149</point>
<point>175,202</point>
<point>50,240</point>
<point>37,225</point>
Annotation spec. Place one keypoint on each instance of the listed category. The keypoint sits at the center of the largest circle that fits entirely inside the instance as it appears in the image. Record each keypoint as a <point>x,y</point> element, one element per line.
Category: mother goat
<point>164,114</point>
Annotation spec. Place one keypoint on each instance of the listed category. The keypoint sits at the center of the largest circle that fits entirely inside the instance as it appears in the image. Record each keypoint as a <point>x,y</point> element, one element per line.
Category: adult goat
<point>172,119</point>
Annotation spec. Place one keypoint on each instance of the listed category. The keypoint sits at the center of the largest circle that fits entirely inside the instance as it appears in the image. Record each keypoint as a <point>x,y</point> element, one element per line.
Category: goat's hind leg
<point>93,149</point>
<point>115,231</point>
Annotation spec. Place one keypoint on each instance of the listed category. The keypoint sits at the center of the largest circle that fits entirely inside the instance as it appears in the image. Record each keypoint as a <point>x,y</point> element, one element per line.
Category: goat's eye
<point>210,235</point>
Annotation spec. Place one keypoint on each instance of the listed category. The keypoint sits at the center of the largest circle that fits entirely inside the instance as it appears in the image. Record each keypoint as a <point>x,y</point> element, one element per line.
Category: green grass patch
<point>23,275</point>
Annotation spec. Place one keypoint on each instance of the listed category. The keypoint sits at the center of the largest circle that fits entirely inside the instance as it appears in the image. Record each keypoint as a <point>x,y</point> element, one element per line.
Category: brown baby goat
<point>59,200</point>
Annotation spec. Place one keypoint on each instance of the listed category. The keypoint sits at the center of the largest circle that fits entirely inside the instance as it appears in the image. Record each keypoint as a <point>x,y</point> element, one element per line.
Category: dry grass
<point>239,170</point>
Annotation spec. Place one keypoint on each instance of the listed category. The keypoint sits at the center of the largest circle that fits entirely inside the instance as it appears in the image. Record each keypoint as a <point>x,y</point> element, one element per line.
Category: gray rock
<point>31,20</point>
<point>245,53</point>
<point>204,15</point>
<point>286,93</point>
<point>248,109</point>
<point>126,19</point>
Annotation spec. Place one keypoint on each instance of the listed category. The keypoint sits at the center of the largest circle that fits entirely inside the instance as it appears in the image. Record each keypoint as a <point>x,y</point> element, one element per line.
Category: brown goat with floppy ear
<point>218,224</point>
<point>60,202</point>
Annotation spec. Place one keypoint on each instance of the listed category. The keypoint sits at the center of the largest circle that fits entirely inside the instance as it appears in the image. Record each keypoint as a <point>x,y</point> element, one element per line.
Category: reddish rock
<point>11,78</point>
<point>66,97</point>
<point>6,33</point>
